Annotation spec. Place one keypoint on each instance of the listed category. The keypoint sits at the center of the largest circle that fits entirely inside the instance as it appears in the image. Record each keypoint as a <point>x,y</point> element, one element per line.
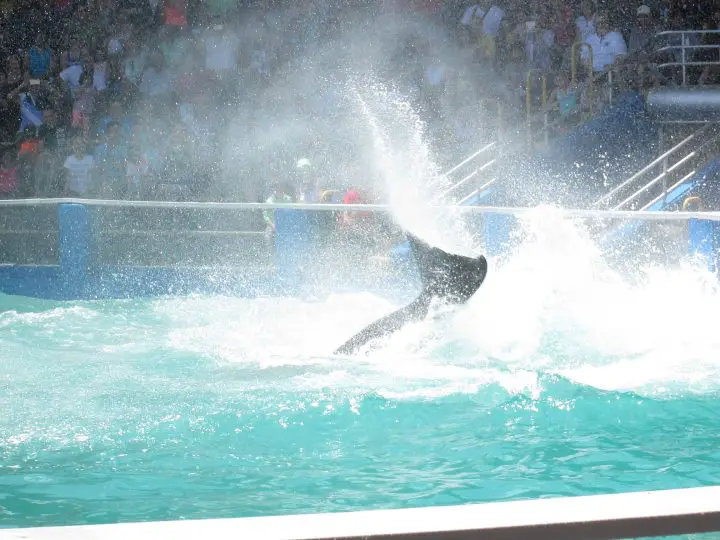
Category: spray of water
<point>412,181</point>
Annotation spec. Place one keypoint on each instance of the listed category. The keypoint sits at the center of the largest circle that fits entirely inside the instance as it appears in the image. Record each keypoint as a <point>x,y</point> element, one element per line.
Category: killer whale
<point>448,277</point>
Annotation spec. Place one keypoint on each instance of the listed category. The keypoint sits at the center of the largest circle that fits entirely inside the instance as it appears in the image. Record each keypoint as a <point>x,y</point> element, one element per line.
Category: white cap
<point>643,10</point>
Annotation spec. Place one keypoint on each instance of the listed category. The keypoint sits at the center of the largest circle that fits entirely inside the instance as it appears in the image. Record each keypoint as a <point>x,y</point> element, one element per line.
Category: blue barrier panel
<point>497,229</point>
<point>700,241</point>
<point>74,248</point>
<point>293,244</point>
<point>31,281</point>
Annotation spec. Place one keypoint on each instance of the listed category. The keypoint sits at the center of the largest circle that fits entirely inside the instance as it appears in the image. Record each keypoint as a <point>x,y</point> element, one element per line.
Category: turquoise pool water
<point>559,378</point>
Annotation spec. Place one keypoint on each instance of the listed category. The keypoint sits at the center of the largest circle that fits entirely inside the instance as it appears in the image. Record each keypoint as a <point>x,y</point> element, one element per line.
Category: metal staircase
<point>470,177</point>
<point>652,184</point>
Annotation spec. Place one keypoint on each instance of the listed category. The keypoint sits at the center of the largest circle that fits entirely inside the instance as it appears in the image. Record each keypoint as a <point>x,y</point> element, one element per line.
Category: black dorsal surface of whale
<point>451,278</point>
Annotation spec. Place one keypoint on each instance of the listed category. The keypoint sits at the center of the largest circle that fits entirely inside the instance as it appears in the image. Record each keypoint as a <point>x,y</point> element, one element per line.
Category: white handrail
<point>469,196</point>
<point>600,517</point>
<point>468,177</point>
<point>514,211</point>
<point>665,193</point>
<point>655,180</point>
<point>468,159</point>
<point>649,166</point>
<point>683,47</point>
<point>674,32</point>
<point>670,169</point>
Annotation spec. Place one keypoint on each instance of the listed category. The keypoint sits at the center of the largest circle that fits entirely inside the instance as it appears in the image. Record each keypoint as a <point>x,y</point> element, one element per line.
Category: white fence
<point>515,211</point>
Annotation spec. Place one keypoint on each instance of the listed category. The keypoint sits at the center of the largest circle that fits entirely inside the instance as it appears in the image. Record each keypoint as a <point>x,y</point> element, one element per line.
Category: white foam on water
<point>554,306</point>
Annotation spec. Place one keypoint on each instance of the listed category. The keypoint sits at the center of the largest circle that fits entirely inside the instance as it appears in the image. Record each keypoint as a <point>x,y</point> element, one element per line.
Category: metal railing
<point>687,50</point>
<point>597,517</point>
<point>676,165</point>
<point>594,85</point>
<point>474,169</point>
<point>538,122</point>
<point>323,207</point>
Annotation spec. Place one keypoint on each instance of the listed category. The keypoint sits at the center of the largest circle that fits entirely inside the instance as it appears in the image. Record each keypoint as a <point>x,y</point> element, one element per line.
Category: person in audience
<point>308,189</point>
<point>8,111</point>
<point>110,162</point>
<point>278,194</point>
<point>84,103</point>
<point>79,168</point>
<point>485,20</point>
<point>607,45</point>
<point>643,31</point>
<point>137,171</point>
<point>566,97</point>
<point>53,151</point>
<point>116,113</point>
<point>8,174</point>
<point>151,65</point>
<point>564,32</point>
<point>585,22</point>
<point>354,221</point>
<point>39,58</point>
<point>157,80</point>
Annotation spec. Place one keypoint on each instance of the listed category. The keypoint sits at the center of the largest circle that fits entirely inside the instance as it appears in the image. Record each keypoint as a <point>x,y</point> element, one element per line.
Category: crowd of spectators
<point>136,98</point>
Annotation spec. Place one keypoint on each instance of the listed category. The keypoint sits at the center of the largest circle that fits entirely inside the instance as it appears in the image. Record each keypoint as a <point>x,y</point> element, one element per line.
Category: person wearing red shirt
<point>353,220</point>
<point>8,175</point>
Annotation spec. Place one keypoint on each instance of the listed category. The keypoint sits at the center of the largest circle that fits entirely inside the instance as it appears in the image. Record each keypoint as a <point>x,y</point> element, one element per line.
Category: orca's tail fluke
<point>448,276</point>
<point>451,278</point>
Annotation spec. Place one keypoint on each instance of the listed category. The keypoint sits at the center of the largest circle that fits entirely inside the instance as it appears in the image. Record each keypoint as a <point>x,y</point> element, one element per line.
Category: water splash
<point>554,306</point>
<point>412,180</point>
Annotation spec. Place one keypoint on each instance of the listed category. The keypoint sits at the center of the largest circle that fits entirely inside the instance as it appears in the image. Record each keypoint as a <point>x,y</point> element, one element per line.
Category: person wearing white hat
<point>642,31</point>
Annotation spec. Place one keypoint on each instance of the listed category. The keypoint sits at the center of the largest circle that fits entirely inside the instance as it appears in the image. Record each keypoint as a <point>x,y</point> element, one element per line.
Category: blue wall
<point>78,278</point>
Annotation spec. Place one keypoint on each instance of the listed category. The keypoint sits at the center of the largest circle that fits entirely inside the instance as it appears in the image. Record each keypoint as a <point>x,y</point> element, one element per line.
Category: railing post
<point>665,159</point>
<point>590,78</point>
<point>684,67</point>
<point>74,237</point>
<point>500,124</point>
